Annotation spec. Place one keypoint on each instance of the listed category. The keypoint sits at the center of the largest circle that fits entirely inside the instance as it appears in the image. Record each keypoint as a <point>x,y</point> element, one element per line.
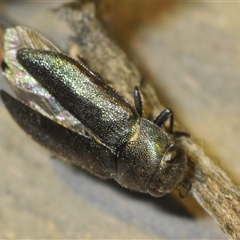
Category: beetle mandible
<point>117,141</point>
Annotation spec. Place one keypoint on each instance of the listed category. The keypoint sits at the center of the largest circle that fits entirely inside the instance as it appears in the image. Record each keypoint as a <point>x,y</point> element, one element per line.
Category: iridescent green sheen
<point>25,87</point>
<point>109,116</point>
<point>150,144</point>
<point>71,111</point>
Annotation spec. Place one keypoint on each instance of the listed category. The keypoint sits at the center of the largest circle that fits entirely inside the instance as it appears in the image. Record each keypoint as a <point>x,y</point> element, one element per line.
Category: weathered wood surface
<point>192,54</point>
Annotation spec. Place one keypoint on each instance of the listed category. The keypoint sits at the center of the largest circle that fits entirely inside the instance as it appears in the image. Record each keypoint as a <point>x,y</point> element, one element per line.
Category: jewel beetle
<point>115,142</point>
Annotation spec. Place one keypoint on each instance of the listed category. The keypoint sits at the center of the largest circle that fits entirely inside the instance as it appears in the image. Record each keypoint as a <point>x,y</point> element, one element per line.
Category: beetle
<point>114,140</point>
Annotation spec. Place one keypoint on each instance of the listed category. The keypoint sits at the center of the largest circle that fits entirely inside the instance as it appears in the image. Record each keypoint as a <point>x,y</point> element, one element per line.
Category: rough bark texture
<point>210,186</point>
<point>213,190</point>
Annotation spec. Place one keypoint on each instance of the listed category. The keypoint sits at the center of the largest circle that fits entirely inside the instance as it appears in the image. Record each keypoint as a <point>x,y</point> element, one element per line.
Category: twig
<point>210,186</point>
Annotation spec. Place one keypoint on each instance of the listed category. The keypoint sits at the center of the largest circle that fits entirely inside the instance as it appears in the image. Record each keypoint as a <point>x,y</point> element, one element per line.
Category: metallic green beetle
<point>114,141</point>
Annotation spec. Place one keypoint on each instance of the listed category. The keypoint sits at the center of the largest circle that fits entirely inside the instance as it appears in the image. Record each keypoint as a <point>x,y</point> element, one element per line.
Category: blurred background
<point>190,52</point>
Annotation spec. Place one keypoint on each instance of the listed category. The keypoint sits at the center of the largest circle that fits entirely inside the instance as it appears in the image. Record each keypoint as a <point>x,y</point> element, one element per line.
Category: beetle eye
<point>173,153</point>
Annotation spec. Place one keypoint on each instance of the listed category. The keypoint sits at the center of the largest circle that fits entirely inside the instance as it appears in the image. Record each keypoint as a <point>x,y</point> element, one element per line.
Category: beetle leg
<point>4,66</point>
<point>184,189</point>
<point>163,117</point>
<point>138,101</point>
<point>82,60</point>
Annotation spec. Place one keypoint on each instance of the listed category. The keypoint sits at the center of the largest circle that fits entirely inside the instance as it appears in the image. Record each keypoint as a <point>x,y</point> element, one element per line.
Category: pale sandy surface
<point>192,53</point>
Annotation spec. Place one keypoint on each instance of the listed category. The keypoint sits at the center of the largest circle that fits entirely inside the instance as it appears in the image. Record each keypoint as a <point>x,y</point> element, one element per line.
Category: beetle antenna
<point>138,101</point>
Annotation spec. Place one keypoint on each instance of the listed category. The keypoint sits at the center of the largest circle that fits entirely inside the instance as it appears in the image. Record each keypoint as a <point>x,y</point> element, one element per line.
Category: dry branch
<point>211,187</point>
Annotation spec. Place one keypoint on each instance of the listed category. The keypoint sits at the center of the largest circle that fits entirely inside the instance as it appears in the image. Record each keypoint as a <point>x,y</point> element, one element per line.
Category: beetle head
<point>150,162</point>
<point>170,172</point>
